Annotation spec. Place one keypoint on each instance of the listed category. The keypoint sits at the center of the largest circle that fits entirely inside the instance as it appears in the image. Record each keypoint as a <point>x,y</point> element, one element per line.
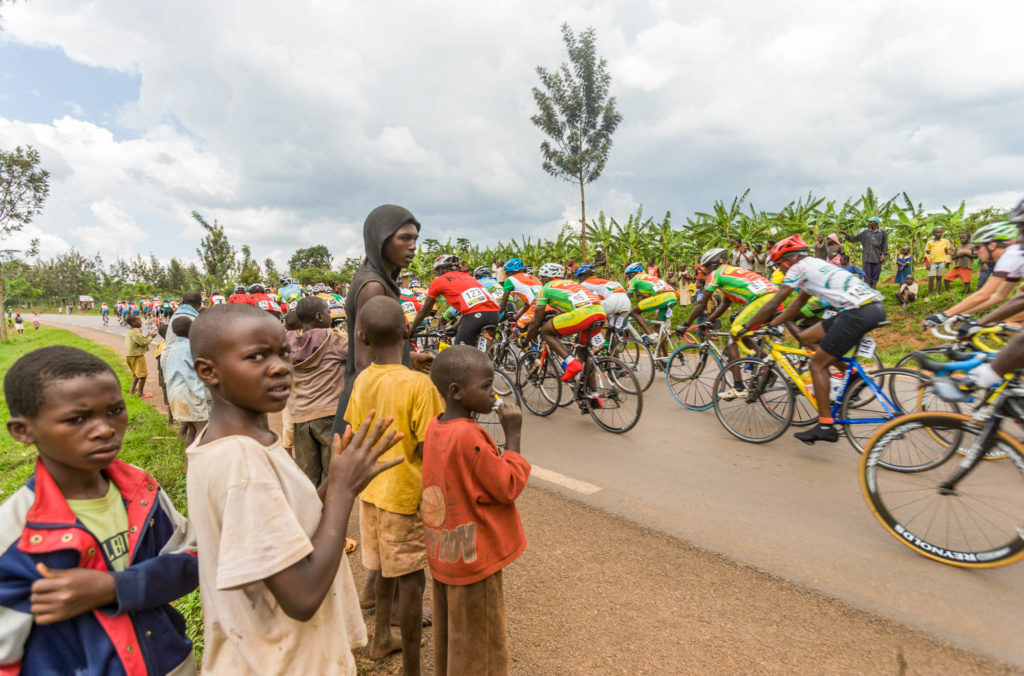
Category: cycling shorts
<point>525,320</point>
<point>748,312</point>
<point>471,325</point>
<point>616,304</point>
<point>845,329</point>
<point>661,301</point>
<point>581,321</point>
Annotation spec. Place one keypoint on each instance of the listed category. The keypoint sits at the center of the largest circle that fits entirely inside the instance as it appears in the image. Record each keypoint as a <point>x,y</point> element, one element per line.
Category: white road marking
<point>553,477</point>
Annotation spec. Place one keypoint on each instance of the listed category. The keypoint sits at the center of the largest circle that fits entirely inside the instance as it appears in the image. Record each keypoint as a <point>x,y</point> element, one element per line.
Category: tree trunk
<point>3,312</point>
<point>583,225</point>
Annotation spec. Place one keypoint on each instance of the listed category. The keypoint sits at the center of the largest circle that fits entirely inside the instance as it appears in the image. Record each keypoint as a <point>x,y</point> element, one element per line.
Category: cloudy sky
<point>289,122</point>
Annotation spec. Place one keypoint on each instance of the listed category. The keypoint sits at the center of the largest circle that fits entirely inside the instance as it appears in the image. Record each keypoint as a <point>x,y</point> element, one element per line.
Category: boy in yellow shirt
<point>937,249</point>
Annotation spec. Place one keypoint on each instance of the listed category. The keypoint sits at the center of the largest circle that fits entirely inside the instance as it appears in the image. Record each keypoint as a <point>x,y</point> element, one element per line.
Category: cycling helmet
<point>634,268</point>
<point>584,270</point>
<point>445,261</point>
<point>1003,231</point>
<point>514,265</point>
<point>216,292</point>
<point>482,271</point>
<point>713,257</point>
<point>789,245</point>
<point>1017,215</point>
<point>256,288</point>
<point>239,289</point>
<point>552,270</point>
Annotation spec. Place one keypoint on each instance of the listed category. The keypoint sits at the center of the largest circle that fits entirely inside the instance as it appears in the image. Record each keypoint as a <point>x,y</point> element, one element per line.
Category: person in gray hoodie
<point>319,356</point>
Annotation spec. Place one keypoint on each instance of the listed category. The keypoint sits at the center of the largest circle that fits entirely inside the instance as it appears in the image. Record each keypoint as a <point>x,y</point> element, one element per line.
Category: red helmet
<point>788,245</point>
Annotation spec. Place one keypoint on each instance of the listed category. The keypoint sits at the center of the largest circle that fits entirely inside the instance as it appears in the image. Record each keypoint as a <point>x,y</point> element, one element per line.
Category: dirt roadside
<point>597,594</point>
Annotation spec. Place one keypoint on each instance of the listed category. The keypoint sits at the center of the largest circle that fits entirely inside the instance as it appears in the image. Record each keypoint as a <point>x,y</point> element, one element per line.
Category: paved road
<point>794,511</point>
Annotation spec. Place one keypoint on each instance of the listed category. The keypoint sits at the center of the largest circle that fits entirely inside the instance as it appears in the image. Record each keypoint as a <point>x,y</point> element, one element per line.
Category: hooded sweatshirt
<point>382,222</point>
<point>319,357</point>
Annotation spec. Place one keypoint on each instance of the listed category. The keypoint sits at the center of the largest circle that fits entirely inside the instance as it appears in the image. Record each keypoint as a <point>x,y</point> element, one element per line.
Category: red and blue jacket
<point>141,633</point>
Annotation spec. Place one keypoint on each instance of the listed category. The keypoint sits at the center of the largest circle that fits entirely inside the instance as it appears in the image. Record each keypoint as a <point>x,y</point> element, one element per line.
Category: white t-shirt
<point>254,512</point>
<point>841,289</point>
<point>1011,264</point>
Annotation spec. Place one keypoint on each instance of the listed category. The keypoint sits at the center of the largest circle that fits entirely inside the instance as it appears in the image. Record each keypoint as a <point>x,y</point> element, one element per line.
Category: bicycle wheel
<point>972,524</point>
<point>619,401</point>
<point>504,355</point>
<point>905,391</point>
<point>538,383</point>
<point>669,343</point>
<point>490,421</point>
<point>690,375</point>
<point>637,357</point>
<point>765,406</point>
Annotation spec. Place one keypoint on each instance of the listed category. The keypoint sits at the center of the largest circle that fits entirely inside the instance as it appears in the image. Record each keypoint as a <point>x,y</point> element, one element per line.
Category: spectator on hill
<point>937,250</point>
<point>819,247</point>
<point>760,259</point>
<point>908,291</point>
<point>191,302</point>
<point>874,241</point>
<point>963,260</point>
<point>600,260</point>
<point>846,264</point>
<point>834,250</point>
<point>904,265</point>
<point>652,267</point>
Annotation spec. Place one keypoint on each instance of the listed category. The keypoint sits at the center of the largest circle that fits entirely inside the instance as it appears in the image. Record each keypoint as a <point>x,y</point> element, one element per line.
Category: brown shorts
<point>137,365</point>
<point>470,633</point>
<point>963,274</point>
<point>392,543</point>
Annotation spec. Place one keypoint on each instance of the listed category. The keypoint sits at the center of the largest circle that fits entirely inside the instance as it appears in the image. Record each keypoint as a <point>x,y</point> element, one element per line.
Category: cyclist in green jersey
<point>651,294</point>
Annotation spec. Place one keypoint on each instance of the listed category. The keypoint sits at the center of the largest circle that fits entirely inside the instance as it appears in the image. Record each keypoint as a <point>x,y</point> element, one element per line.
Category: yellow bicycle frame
<point>778,355</point>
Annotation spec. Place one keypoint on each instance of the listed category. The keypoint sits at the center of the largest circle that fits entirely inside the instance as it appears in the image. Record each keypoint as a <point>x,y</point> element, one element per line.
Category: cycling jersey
<point>291,294</point>
<point>462,292</point>
<point>839,288</point>
<point>241,298</point>
<point>217,299</point>
<point>264,302</point>
<point>522,286</point>
<point>335,303</point>
<point>648,285</point>
<point>1011,264</point>
<point>410,303</point>
<point>738,284</point>
<point>167,308</point>
<point>602,287</point>
<point>566,296</point>
<point>494,288</point>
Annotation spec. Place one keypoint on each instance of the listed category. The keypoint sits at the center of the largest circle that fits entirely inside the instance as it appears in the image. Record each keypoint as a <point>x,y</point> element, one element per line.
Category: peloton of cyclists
<point>651,294</point>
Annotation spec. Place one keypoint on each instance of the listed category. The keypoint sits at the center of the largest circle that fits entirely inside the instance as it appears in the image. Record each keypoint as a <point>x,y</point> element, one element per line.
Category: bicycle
<point>607,389</point>
<point>862,399</point>
<point>990,340</point>
<point>631,350</point>
<point>962,503</point>
<point>693,368</point>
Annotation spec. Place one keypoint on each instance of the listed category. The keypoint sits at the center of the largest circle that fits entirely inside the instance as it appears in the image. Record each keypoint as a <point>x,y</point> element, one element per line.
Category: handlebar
<point>963,362</point>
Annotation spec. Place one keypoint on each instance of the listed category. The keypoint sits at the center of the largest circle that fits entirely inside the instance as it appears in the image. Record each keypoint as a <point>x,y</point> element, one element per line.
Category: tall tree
<point>578,115</point>
<point>215,251</point>
<point>273,276</point>
<point>317,256</point>
<point>248,269</point>
<point>24,187</point>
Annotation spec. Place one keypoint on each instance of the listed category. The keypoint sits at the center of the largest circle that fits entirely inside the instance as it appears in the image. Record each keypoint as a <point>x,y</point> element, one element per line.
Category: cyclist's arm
<point>428,305</point>
<point>504,301</point>
<point>698,309</point>
<point>792,310</point>
<point>535,324</point>
<point>993,293</point>
<point>719,311</point>
<point>1011,308</point>
<point>765,313</point>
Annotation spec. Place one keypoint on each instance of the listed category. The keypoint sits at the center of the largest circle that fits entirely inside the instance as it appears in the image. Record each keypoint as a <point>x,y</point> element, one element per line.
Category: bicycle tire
<point>771,409</point>
<point>906,389</point>
<point>960,527</point>
<point>617,386</point>
<point>505,388</point>
<point>638,357</point>
<point>690,376</point>
<point>539,386</point>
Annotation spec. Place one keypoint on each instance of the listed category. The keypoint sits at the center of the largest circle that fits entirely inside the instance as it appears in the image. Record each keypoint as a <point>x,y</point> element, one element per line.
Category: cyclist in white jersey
<point>992,243</point>
<point>521,285</point>
<point>614,298</point>
<point>859,311</point>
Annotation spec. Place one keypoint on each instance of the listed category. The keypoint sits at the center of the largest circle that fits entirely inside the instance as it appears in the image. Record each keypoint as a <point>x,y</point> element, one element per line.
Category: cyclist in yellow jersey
<point>652,294</point>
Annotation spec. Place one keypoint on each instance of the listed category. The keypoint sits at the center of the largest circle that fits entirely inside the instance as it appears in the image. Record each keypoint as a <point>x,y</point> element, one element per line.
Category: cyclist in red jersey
<point>240,296</point>
<point>465,294</point>
<point>264,301</point>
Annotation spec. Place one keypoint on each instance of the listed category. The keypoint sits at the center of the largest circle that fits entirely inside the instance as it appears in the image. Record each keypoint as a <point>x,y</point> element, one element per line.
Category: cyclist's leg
<point>637,314</point>
<point>569,324</point>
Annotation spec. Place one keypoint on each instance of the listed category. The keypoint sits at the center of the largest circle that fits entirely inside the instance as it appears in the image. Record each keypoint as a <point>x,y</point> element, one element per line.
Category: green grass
<point>149,443</point>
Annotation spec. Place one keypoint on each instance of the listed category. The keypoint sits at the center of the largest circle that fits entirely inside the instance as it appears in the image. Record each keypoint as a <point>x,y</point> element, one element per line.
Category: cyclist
<point>290,292</point>
<point>465,295</point>
<point>241,296</point>
<point>490,284</point>
<point>737,285</point>
<point>410,302</point>
<point>167,308</point>
<point>579,312</point>
<point>519,285</point>
<point>335,303</point>
<point>217,298</point>
<point>993,243</point>
<point>651,294</point>
<point>614,298</point>
<point>858,310</point>
<point>105,312</point>
<point>263,300</point>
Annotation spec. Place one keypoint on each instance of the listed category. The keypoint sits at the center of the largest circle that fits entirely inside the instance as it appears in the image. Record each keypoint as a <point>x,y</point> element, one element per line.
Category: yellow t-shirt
<point>107,519</point>
<point>777,276</point>
<point>409,396</point>
<point>937,250</point>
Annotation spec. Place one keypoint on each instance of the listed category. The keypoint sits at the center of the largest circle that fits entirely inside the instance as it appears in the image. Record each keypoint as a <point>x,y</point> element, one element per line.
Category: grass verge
<point>149,443</point>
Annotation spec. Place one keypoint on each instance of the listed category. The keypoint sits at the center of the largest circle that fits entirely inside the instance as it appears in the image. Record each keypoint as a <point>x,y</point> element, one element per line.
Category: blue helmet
<point>584,270</point>
<point>514,265</point>
<point>634,268</point>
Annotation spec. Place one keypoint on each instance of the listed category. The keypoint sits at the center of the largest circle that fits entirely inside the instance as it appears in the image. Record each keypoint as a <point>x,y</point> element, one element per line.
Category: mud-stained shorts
<point>392,543</point>
<point>137,365</point>
<point>470,632</point>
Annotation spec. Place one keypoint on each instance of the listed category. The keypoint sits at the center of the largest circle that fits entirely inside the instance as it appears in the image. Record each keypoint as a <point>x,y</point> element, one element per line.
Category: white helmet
<point>713,257</point>
<point>552,270</point>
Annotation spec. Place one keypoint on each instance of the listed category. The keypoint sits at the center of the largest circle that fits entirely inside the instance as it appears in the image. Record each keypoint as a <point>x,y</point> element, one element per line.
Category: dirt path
<point>598,594</point>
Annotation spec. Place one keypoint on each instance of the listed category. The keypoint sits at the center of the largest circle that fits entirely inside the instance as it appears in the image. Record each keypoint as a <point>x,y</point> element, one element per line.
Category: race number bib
<point>579,299</point>
<point>757,286</point>
<point>866,348</point>
<point>613,287</point>
<point>861,294</point>
<point>597,341</point>
<point>658,286</point>
<point>265,305</point>
<point>828,314</point>
<point>481,343</point>
<point>408,309</point>
<point>474,296</point>
<point>620,322</point>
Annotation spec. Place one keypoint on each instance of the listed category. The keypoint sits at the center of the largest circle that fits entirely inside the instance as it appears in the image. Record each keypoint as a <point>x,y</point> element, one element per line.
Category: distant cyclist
<point>858,307</point>
<point>217,298</point>
<point>464,294</point>
<point>650,294</point>
<point>522,287</point>
<point>264,300</point>
<point>614,299</point>
<point>105,313</point>
<point>490,284</point>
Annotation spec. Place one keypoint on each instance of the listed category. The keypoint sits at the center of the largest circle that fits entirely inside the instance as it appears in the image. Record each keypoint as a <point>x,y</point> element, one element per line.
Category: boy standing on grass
<point>92,552</point>
<point>162,332</point>
<point>278,596</point>
<point>186,395</point>
<point>390,526</point>
<point>469,510</point>
<point>135,346</point>
<point>318,358</point>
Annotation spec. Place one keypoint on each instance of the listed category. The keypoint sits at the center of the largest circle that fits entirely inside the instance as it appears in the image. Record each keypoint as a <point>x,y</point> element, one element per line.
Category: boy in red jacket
<point>469,512</point>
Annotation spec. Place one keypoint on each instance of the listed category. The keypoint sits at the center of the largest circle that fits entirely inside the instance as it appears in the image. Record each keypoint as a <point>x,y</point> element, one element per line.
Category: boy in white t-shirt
<point>278,595</point>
